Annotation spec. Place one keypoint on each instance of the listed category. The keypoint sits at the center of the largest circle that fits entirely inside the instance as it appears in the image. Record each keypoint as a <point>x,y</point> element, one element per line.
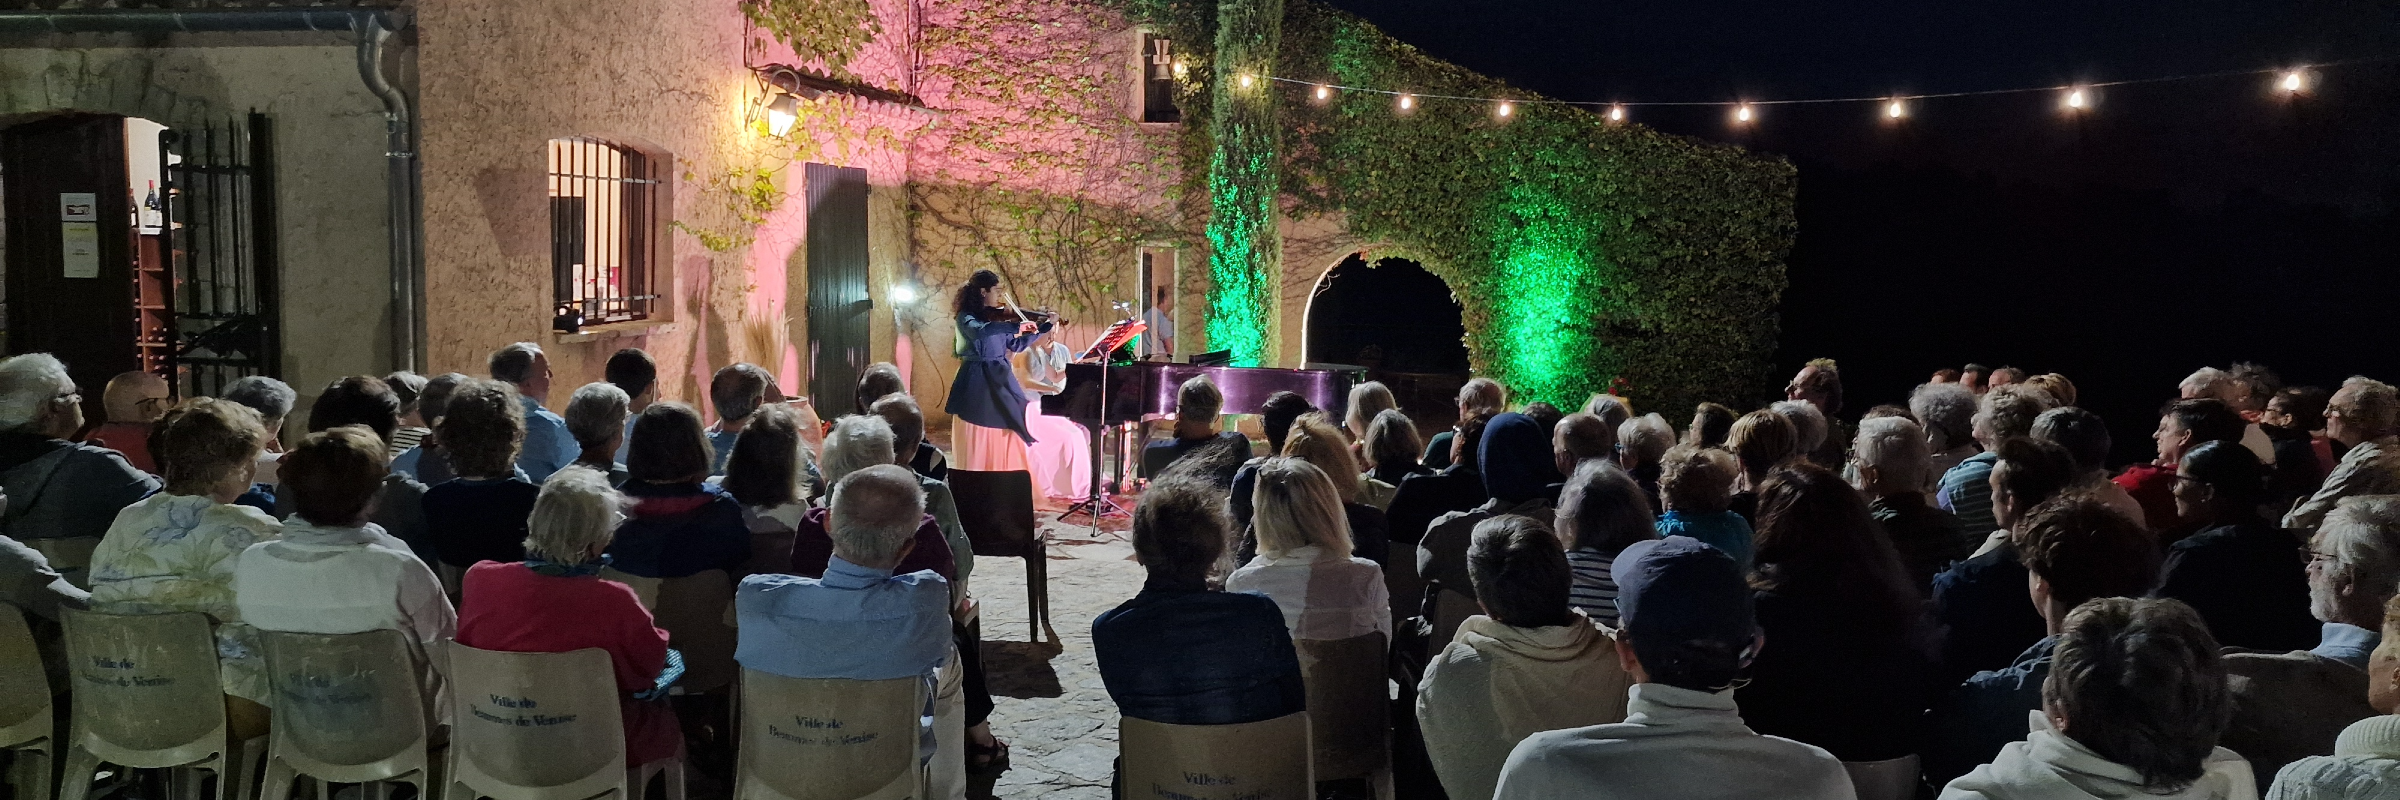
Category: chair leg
<point>29,773</point>
<point>277,783</point>
<point>243,766</point>
<point>675,780</point>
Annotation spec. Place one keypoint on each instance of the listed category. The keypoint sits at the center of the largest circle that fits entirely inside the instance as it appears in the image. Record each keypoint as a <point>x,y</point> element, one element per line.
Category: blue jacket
<point>680,529</point>
<point>1723,530</point>
<point>1183,655</point>
<point>986,392</point>
<point>1970,724</point>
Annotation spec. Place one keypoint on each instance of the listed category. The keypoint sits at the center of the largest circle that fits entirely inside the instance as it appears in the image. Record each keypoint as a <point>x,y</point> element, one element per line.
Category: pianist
<point>986,405</point>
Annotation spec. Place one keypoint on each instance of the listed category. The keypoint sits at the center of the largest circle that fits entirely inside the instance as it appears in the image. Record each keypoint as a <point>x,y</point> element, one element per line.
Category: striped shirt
<point>1595,588</point>
<point>1967,492</point>
<point>407,438</point>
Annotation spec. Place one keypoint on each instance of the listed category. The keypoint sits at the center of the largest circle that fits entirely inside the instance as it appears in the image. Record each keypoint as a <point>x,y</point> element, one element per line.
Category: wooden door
<point>838,302</point>
<point>70,263</point>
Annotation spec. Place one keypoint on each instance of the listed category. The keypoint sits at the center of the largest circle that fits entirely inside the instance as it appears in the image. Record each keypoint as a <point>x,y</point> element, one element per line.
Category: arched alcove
<point>1398,321</point>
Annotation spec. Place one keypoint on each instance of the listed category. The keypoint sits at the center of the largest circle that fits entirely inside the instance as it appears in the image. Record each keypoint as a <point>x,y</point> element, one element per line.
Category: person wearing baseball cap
<point>1688,636</point>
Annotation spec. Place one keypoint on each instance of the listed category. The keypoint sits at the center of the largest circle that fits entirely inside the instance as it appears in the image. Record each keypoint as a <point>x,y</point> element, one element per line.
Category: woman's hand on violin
<point>1029,327</point>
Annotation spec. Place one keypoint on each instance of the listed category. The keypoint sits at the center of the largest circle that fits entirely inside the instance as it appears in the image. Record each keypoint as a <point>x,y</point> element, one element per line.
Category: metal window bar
<point>603,209</point>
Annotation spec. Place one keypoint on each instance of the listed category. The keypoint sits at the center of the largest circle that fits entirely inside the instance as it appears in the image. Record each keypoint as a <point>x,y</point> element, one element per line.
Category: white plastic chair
<point>349,708</point>
<point>692,610</point>
<point>146,696</point>
<point>1890,779</point>
<point>829,739</point>
<point>540,726</point>
<point>27,727</point>
<point>1266,760</point>
<point>644,588</point>
<point>1349,711</point>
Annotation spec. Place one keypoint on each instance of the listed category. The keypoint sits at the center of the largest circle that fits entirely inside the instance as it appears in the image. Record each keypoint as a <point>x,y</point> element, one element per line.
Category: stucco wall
<point>330,168</point>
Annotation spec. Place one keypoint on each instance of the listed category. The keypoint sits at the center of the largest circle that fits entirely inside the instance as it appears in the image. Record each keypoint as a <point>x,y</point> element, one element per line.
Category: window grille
<point>603,217</point>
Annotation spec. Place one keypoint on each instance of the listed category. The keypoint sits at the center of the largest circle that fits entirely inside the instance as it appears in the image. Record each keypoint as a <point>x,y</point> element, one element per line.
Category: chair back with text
<point>349,708</point>
<point>1349,711</point>
<point>829,739</point>
<point>534,726</point>
<point>145,688</point>
<point>692,609</point>
<point>1266,760</point>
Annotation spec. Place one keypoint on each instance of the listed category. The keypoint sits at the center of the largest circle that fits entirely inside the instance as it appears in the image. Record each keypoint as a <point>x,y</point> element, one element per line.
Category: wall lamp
<point>781,104</point>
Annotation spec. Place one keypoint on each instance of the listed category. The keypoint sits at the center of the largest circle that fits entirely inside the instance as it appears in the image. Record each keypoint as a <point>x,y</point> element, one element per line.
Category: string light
<point>1408,102</point>
<point>1324,92</point>
<point>1246,80</point>
<point>1616,113</point>
<point>2076,100</point>
<point>1742,114</point>
<point>1505,109</point>
<point>2294,82</point>
<point>1895,109</point>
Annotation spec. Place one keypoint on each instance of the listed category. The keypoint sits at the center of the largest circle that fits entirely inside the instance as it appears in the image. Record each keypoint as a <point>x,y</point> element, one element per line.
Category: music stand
<point>1097,502</point>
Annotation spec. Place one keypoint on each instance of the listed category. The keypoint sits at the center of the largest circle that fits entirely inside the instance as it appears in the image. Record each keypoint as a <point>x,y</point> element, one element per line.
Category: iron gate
<point>220,205</point>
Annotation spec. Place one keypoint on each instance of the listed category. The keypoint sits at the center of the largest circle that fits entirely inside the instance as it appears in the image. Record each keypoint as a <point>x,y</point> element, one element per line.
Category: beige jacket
<point>2373,467</point>
<point>1496,684</point>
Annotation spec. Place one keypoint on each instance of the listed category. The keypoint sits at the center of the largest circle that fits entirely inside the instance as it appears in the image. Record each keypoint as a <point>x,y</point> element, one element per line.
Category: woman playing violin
<point>986,405</point>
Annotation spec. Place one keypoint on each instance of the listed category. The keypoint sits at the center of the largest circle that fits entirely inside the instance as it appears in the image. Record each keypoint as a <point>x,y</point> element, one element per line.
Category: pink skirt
<point>980,449</point>
<point>1061,455</point>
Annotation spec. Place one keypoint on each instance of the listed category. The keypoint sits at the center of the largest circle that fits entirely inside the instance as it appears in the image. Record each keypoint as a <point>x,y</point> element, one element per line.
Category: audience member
<point>480,515</point>
<point>414,427</point>
<point>1579,436</point>
<point>1965,489</point>
<point>1973,376</point>
<point>599,418</point>
<point>2364,415</point>
<point>1529,663</point>
<point>273,400</point>
<point>2294,419</point>
<point>61,489</point>
<point>2075,549</point>
<point>1819,384</point>
<point>1811,426</point>
<point>2237,571</point>
<point>908,428</point>
<point>177,550</point>
<point>2365,764</point>
<point>1178,652</point>
<point>765,476</point>
<point>1392,448</point>
<point>425,462</point>
<point>554,601</point>
<point>547,447</point>
<point>1889,465</point>
<point>1479,397</point>
<point>1367,400</point>
<point>1421,499</point>
<point>2182,425</point>
<point>1944,375</point>
<point>1761,440</point>
<point>735,392</point>
<point>1314,439</point>
<point>633,372</point>
<point>1980,602</point>
<point>1947,410</point>
<point>1599,515</point>
<point>1848,671</point>
<point>1711,424</point>
<point>1690,634</point>
<point>864,620</point>
<point>882,379</point>
<point>2007,376</point>
<point>1547,415</point>
<point>2086,438</point>
<point>856,443</point>
<point>399,505</point>
<point>1304,562</point>
<point>1517,471</point>
<point>2290,705</point>
<point>2234,392</point>
<point>2055,385</point>
<point>1641,442</point>
<point>28,583</point>
<point>133,400</point>
<point>333,570</point>
<point>2132,708</point>
<point>678,524</point>
<point>1610,408</point>
<point>1697,488</point>
<point>1197,404</point>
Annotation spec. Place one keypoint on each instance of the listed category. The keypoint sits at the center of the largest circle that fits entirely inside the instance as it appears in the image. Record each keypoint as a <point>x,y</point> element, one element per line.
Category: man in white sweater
<point>1689,634</point>
<point>1530,663</point>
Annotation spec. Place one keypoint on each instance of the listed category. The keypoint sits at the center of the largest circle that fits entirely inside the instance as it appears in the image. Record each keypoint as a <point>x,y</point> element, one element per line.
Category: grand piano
<point>1142,390</point>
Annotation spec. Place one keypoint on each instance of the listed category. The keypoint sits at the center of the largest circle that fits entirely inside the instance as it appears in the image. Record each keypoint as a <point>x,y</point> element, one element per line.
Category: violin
<point>1009,312</point>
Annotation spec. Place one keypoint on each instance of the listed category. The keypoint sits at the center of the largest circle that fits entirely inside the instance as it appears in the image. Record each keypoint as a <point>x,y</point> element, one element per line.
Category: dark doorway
<point>837,283</point>
<point>71,247</point>
<point>1400,323</point>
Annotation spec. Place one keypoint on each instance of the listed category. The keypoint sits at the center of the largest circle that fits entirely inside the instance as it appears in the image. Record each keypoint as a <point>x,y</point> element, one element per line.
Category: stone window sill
<point>598,333</point>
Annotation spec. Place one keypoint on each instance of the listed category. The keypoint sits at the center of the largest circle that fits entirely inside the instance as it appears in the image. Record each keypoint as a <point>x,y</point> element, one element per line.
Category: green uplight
<point>1547,299</point>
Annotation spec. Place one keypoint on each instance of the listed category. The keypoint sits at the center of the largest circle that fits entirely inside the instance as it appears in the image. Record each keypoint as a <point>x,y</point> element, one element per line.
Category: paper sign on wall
<point>79,247</point>
<point>78,207</point>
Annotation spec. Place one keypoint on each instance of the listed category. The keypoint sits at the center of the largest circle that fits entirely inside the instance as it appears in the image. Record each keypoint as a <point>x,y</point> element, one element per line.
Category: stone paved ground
<point>1051,707</point>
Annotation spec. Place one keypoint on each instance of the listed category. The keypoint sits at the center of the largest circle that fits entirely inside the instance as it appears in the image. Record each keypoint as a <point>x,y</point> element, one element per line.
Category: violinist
<point>986,405</point>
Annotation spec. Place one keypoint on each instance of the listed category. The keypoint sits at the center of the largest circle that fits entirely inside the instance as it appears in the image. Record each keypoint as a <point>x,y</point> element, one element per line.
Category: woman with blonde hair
<point>1304,562</point>
<point>1392,447</point>
<point>1314,439</point>
<point>1367,401</point>
<point>1760,440</point>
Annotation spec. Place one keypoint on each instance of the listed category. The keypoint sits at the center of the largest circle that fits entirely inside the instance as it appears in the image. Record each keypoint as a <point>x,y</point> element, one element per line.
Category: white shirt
<point>2048,765</point>
<point>346,580</point>
<point>1675,743</point>
<point>1158,340</point>
<point>1046,364</point>
<point>1497,684</point>
<point>1322,597</point>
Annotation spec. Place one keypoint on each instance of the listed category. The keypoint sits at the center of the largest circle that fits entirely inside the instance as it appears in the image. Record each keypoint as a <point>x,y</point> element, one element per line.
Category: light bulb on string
<point>1742,114</point>
<point>1324,93</point>
<point>2077,100</point>
<point>1616,113</point>
<point>2293,82</point>
<point>1895,109</point>
<point>1506,108</point>
<point>1408,102</point>
<point>1246,80</point>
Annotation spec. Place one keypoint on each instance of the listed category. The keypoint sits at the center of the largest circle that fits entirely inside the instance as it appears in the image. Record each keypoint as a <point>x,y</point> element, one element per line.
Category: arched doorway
<point>1401,324</point>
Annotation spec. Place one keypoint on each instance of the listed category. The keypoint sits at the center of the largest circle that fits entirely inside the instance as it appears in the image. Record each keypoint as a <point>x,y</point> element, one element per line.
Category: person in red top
<point>2182,426</point>
<point>856,443</point>
<point>134,402</point>
<point>554,602</point>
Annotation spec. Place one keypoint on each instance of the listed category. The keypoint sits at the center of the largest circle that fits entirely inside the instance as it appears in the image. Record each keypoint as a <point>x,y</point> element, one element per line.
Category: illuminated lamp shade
<point>782,111</point>
<point>903,294</point>
<point>1616,113</point>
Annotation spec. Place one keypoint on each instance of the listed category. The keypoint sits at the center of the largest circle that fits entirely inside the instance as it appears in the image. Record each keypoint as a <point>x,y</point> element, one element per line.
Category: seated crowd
<point>1952,597</point>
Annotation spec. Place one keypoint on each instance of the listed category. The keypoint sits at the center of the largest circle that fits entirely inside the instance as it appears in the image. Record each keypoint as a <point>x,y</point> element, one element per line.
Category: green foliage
<point>1581,251</point>
<point>823,32</point>
<point>1245,254</point>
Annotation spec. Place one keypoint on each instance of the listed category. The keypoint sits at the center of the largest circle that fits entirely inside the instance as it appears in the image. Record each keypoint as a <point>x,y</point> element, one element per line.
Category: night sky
<point>2175,225</point>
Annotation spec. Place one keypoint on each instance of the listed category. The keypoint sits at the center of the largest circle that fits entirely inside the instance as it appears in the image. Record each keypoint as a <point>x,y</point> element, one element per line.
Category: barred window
<point>603,211</point>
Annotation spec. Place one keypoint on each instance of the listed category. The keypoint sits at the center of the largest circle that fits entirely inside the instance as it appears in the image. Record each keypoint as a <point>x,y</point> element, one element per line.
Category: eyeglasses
<point>2310,557</point>
<point>68,396</point>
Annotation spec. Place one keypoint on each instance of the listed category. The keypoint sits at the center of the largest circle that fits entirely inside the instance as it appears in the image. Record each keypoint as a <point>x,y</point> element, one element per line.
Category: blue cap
<point>1678,591</point>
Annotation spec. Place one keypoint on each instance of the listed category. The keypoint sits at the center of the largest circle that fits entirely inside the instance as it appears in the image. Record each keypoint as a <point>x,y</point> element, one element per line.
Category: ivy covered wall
<point>1582,251</point>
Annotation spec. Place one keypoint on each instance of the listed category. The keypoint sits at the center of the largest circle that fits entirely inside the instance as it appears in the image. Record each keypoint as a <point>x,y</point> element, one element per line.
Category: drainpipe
<point>371,27</point>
